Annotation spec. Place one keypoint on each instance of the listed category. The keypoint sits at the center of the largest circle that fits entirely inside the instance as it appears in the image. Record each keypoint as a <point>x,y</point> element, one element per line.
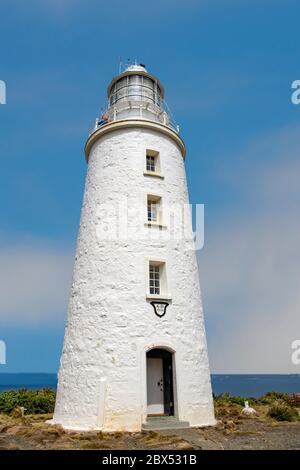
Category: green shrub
<point>272,397</point>
<point>227,399</point>
<point>35,401</point>
<point>281,411</point>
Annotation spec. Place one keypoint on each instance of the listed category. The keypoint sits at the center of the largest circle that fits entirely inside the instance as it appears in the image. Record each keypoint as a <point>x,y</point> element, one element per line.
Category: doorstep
<point>155,423</point>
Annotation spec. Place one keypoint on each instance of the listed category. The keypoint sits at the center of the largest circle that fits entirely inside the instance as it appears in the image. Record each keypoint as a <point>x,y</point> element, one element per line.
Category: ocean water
<point>247,385</point>
<point>255,385</point>
<point>26,380</point>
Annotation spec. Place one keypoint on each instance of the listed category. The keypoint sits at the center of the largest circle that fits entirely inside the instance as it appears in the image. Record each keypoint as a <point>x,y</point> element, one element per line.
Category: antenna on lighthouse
<point>120,65</point>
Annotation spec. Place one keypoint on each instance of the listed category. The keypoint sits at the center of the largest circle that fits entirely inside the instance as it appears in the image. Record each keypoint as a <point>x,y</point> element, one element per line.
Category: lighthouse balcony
<point>134,109</point>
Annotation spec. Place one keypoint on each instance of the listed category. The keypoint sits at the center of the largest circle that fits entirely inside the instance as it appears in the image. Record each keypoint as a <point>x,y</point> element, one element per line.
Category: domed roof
<point>136,68</point>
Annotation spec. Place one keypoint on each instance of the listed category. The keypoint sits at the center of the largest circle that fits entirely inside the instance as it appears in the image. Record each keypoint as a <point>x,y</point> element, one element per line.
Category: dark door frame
<point>167,358</point>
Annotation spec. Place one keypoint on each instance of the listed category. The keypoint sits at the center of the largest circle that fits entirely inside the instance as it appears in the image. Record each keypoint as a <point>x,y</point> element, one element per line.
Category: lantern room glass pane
<point>135,87</point>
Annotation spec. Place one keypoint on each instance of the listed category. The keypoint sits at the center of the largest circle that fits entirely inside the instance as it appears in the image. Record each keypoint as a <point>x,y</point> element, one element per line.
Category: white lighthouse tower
<point>135,353</point>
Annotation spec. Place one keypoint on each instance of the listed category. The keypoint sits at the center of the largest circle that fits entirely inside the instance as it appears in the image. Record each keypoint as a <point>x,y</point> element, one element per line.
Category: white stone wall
<point>102,378</point>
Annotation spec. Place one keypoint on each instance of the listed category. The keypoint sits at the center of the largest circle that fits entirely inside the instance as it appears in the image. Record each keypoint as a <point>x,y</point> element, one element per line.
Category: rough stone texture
<point>111,324</point>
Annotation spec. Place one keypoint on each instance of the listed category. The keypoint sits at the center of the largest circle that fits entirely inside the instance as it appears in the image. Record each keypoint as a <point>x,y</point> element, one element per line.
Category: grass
<point>34,401</point>
<point>273,405</point>
<point>227,399</point>
<point>281,411</point>
<point>32,432</point>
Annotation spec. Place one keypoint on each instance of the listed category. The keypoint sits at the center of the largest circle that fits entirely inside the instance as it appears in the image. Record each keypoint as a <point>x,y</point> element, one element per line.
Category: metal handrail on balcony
<point>138,110</point>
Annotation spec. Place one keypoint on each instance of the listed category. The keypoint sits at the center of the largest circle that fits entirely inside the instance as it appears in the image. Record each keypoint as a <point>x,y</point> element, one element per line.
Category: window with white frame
<point>157,279</point>
<point>153,208</point>
<point>152,162</point>
<point>154,279</point>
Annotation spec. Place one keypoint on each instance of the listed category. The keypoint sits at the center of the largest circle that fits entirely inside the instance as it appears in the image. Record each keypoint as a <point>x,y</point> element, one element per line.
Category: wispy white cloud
<point>63,8</point>
<point>267,168</point>
<point>250,265</point>
<point>40,86</point>
<point>57,8</point>
<point>66,9</point>
<point>205,94</point>
<point>34,283</point>
<point>33,92</point>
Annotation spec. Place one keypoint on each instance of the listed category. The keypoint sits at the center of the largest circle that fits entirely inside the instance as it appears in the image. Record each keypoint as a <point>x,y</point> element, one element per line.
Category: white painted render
<point>111,324</point>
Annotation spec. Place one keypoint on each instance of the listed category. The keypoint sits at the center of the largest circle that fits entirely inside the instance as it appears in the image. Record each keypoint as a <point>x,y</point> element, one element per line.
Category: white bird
<point>248,410</point>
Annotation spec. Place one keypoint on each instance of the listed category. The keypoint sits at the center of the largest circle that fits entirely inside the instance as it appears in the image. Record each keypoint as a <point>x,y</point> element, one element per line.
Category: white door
<point>155,387</point>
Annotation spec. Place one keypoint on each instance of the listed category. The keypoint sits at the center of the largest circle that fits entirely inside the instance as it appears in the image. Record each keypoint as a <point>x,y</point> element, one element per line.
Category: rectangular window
<point>153,208</point>
<point>150,164</point>
<point>154,279</point>
<point>152,161</point>
<point>152,211</point>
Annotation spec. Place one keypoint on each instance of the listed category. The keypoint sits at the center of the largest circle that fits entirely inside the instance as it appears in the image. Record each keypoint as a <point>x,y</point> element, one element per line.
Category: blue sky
<point>227,67</point>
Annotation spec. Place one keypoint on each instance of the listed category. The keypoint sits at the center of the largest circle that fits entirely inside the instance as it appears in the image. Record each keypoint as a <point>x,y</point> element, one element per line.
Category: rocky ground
<point>233,431</point>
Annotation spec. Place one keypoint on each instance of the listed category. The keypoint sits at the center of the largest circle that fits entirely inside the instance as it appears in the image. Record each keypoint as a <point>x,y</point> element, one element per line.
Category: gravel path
<point>234,432</point>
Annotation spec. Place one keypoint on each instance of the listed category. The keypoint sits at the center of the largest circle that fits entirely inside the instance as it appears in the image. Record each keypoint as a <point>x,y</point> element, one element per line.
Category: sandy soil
<point>234,431</point>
